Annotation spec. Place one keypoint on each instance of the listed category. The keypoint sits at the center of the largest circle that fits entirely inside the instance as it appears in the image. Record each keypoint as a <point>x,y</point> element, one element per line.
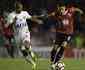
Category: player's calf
<point>59,54</point>
<point>30,52</point>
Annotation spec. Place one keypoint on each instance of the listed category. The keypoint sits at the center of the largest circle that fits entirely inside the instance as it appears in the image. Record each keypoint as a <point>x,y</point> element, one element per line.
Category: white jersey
<point>20,24</point>
<point>21,27</point>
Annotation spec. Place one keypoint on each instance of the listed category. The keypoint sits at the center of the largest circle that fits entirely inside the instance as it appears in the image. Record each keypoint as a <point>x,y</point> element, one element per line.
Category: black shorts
<point>61,37</point>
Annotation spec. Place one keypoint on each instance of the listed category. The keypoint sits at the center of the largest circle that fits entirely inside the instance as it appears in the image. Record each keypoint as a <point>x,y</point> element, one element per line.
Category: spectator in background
<point>7,34</point>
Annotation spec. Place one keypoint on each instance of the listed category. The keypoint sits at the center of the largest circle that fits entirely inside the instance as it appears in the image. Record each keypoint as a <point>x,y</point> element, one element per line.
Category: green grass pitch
<point>42,64</point>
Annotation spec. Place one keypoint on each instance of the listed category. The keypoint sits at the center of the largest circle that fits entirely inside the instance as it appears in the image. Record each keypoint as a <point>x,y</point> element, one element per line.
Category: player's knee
<point>27,43</point>
<point>23,50</point>
<point>24,53</point>
<point>64,44</point>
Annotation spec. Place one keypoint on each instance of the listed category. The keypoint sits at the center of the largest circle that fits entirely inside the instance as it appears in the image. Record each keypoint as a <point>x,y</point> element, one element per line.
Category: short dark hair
<point>17,3</point>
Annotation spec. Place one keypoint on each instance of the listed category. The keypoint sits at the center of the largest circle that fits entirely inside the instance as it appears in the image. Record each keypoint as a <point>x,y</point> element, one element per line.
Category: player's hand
<point>39,21</point>
<point>52,14</point>
<point>34,16</point>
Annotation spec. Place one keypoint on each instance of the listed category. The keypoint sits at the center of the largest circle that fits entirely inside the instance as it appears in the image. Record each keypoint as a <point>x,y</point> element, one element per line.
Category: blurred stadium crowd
<point>43,34</point>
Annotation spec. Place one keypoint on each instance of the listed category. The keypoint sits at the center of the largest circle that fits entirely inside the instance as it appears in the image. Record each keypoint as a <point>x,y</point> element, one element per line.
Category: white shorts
<point>22,37</point>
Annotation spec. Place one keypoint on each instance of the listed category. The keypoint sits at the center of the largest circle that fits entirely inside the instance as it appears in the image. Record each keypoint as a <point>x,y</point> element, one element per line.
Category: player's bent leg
<point>31,53</point>
<point>28,57</point>
<point>56,55</point>
<point>59,54</point>
<point>57,60</point>
<point>29,49</point>
<point>23,50</point>
<point>53,51</point>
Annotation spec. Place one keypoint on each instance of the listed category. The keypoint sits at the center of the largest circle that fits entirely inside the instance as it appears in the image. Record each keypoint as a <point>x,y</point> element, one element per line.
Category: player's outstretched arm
<point>35,19</point>
<point>79,10</point>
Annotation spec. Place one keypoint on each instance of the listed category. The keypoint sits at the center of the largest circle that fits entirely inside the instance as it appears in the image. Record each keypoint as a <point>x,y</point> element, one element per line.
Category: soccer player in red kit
<point>64,33</point>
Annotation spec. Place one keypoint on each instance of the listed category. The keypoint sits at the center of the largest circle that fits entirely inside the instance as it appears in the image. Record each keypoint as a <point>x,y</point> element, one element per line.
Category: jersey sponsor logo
<point>21,25</point>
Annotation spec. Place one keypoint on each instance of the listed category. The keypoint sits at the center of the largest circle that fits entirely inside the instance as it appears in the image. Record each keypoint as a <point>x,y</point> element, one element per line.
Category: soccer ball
<point>60,66</point>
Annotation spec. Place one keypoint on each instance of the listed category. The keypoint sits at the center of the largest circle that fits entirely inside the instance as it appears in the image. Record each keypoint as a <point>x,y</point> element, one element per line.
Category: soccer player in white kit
<point>22,33</point>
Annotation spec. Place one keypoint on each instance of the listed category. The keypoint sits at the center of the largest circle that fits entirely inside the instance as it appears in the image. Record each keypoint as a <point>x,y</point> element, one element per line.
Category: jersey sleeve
<point>10,19</point>
<point>28,16</point>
